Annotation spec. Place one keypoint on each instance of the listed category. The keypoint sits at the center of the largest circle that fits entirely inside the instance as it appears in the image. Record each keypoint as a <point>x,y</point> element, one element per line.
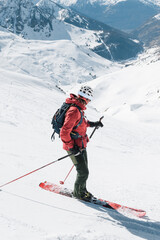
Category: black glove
<point>75,150</point>
<point>96,124</point>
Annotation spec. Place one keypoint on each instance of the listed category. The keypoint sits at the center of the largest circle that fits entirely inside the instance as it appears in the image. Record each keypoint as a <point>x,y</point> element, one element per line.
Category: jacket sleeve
<point>71,119</point>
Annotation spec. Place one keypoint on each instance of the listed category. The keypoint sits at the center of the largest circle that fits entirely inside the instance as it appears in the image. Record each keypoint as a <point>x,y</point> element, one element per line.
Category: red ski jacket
<point>72,118</point>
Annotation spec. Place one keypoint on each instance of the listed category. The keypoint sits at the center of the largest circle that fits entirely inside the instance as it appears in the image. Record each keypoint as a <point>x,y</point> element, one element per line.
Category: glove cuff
<point>91,124</point>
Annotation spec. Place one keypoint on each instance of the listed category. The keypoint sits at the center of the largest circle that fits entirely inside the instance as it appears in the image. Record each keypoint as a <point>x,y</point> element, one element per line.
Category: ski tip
<point>142,214</point>
<point>41,184</point>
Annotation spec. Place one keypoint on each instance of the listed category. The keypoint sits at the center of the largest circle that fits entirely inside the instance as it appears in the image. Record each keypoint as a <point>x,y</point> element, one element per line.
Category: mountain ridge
<point>49,21</point>
<point>149,32</point>
<point>125,15</point>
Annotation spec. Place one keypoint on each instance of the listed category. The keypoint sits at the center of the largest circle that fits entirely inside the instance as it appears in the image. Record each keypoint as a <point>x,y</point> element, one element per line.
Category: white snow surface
<point>123,155</point>
<point>157,16</point>
<point>52,60</point>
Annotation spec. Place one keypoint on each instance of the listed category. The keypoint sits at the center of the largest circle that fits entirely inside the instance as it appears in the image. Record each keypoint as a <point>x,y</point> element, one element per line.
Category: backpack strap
<point>80,119</point>
<point>74,134</point>
<point>53,137</point>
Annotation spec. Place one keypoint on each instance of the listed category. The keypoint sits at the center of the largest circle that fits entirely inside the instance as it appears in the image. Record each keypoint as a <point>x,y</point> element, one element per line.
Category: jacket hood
<point>74,99</point>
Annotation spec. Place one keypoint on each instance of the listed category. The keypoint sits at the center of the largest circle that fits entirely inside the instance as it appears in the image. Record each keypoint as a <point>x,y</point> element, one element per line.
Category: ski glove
<point>75,150</point>
<point>96,124</point>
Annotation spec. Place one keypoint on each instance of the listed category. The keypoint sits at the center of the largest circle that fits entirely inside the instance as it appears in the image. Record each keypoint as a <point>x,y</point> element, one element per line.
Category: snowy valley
<point>36,76</point>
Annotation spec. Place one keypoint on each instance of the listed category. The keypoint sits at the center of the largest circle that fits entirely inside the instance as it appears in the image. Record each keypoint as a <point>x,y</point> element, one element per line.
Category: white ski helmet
<point>86,92</point>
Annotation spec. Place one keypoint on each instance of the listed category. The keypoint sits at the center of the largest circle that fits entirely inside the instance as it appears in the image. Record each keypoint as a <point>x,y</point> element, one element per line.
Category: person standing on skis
<point>75,140</point>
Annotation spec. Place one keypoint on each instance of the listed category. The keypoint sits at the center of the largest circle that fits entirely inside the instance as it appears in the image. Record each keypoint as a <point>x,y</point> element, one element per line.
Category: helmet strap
<point>82,100</point>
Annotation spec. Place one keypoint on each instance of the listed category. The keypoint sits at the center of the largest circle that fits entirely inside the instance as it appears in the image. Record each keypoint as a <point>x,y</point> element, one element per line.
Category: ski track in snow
<point>123,156</point>
<point>142,228</point>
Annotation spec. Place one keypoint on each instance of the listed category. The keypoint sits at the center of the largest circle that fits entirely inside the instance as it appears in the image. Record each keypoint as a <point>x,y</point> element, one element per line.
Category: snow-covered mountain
<point>125,15</point>
<point>49,21</point>
<point>105,2</point>
<point>149,33</point>
<point>123,155</point>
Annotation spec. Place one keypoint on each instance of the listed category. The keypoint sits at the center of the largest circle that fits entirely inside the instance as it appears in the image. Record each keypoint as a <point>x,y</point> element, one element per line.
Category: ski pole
<point>62,182</point>
<point>95,128</point>
<point>59,159</point>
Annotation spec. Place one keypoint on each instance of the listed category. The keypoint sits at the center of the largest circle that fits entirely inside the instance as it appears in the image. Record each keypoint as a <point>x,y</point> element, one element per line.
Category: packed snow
<point>123,155</point>
<point>157,16</point>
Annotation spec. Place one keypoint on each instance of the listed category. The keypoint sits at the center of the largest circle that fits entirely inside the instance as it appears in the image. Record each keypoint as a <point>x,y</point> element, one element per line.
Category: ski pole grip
<point>95,128</point>
<point>101,118</point>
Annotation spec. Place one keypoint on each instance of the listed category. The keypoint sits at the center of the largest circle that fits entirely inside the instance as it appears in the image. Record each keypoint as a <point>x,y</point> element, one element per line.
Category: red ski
<point>66,192</point>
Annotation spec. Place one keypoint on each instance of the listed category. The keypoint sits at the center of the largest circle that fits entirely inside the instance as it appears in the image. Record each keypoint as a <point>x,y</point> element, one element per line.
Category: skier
<point>75,141</point>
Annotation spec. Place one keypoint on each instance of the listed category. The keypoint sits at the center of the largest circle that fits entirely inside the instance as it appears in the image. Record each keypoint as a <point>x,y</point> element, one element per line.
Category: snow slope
<point>52,60</point>
<point>123,156</point>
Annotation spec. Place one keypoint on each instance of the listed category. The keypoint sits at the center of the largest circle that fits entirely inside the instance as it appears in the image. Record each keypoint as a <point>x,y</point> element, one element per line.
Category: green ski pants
<point>81,164</point>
